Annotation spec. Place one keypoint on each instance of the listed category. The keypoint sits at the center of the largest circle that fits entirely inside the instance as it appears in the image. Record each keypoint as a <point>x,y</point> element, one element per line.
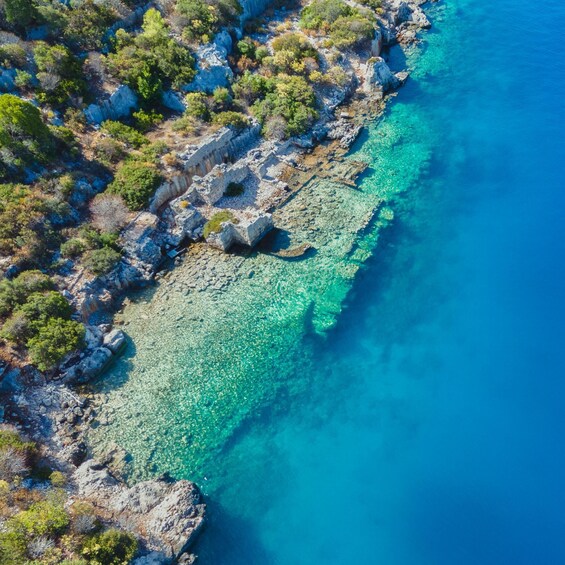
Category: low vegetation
<point>214,224</point>
<point>38,318</point>
<point>41,524</point>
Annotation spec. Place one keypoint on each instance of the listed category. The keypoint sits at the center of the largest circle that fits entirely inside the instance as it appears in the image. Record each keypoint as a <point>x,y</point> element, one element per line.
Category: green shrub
<point>292,100</point>
<point>112,547</point>
<point>86,24</point>
<point>145,120</point>
<point>214,224</point>
<point>196,106</point>
<point>101,261</point>
<point>42,518</point>
<point>348,31</point>
<point>24,137</point>
<point>53,341</point>
<point>222,98</point>
<point>12,55</point>
<point>10,439</point>
<point>135,182</point>
<point>124,133</point>
<point>320,14</point>
<point>236,120</point>
<point>15,292</point>
<point>27,319</point>
<point>109,151</point>
<point>247,47</point>
<point>234,189</point>
<point>74,247</point>
<point>201,19</point>
<point>252,86</point>
<point>20,13</point>
<point>58,479</point>
<point>59,73</point>
<point>23,79</point>
<point>151,59</point>
<point>39,308</point>
<point>296,44</point>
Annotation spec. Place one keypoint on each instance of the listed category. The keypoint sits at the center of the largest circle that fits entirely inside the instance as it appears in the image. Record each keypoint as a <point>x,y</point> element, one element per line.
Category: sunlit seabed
<point>354,407</point>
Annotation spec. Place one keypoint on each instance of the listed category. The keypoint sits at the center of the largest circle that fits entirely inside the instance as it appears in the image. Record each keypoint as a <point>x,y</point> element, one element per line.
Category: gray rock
<point>378,76</point>
<point>212,69</point>
<point>168,515</point>
<point>115,341</point>
<point>120,103</point>
<point>7,77</point>
<point>173,101</point>
<point>90,367</point>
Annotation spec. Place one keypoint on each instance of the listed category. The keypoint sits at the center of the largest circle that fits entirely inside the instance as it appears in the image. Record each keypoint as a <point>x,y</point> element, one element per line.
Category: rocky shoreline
<point>167,515</point>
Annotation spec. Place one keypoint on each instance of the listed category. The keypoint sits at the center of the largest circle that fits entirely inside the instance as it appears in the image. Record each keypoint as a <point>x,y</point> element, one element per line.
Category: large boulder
<point>91,366</point>
<point>119,105</point>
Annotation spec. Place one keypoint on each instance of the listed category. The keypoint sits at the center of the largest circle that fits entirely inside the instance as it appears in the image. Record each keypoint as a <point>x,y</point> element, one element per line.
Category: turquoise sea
<point>399,397</point>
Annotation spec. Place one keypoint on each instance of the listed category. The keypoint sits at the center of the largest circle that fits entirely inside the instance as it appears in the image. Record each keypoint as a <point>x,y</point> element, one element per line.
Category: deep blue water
<point>433,433</point>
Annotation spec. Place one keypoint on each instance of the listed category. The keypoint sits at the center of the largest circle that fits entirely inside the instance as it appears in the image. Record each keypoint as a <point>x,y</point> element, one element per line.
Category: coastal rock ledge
<point>167,515</point>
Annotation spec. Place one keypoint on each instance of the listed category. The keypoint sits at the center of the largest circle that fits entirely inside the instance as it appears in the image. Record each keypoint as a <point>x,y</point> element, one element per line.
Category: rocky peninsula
<point>218,188</point>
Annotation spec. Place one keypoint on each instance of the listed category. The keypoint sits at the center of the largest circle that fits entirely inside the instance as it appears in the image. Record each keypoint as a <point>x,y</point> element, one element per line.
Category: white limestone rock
<point>378,76</point>
<point>167,515</point>
<point>120,104</point>
<point>115,341</point>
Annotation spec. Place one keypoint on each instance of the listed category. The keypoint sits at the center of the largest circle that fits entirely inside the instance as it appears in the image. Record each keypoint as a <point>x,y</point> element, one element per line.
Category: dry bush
<point>109,212</point>
<point>13,464</point>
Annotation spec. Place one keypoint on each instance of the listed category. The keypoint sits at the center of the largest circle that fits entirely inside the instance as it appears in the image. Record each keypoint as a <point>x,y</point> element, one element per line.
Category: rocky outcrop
<point>212,67</point>
<point>119,105</point>
<point>166,515</point>
<point>378,76</point>
<point>139,243</point>
<point>253,8</point>
<point>409,13</point>
<point>7,77</point>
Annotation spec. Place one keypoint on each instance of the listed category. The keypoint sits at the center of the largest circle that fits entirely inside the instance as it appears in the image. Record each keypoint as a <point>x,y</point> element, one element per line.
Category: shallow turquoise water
<point>417,419</point>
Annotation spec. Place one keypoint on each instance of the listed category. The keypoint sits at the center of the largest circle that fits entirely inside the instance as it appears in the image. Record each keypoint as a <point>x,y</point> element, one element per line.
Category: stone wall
<point>220,147</point>
<point>247,232</point>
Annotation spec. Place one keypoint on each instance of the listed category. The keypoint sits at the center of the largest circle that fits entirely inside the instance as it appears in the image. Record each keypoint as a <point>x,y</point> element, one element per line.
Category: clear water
<point>396,398</point>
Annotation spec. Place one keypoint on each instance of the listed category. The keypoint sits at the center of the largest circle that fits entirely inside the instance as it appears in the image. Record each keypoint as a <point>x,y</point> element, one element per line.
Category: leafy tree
<point>236,120</point>
<point>59,73</point>
<point>151,60</point>
<point>346,25</point>
<point>24,138</point>
<point>293,100</point>
<point>20,13</point>
<point>53,341</point>
<point>135,182</point>
<point>112,547</point>
<point>196,106</point>
<point>86,24</point>
<point>125,134</point>
<point>12,55</point>
<point>201,19</point>
<point>252,86</point>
